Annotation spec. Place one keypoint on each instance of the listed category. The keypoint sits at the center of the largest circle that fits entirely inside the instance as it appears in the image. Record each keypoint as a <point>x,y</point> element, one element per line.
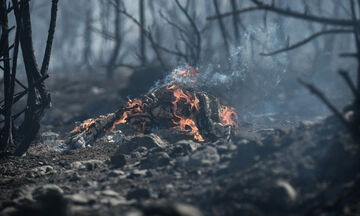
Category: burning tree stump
<point>173,112</point>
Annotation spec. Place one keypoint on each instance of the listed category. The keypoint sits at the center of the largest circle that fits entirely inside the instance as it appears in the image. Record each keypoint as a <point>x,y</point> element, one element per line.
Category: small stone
<point>93,164</point>
<point>46,191</point>
<point>110,201</point>
<point>118,160</point>
<point>138,194</point>
<point>148,141</point>
<point>41,171</point>
<point>9,211</point>
<point>110,192</point>
<point>186,210</point>
<point>92,184</point>
<point>135,155</point>
<point>138,173</point>
<point>75,177</point>
<point>206,156</point>
<point>88,165</point>
<point>49,201</point>
<point>116,173</point>
<point>76,165</point>
<point>156,159</point>
<point>82,198</point>
<point>179,209</point>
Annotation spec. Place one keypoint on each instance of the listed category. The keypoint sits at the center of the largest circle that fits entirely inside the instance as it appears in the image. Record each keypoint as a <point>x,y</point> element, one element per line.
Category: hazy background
<point>234,70</point>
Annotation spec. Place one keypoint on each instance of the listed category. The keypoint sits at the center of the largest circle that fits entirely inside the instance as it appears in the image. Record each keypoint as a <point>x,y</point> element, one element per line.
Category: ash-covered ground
<point>277,165</point>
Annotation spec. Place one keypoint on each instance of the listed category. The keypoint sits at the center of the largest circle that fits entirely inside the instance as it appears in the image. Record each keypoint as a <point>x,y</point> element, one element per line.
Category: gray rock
<point>179,209</point>
<point>206,156</point>
<point>186,210</point>
<point>109,192</point>
<point>74,177</point>
<point>43,200</point>
<point>87,165</point>
<point>82,198</point>
<point>116,173</point>
<point>138,194</point>
<point>9,211</point>
<point>41,171</point>
<point>118,160</point>
<point>92,184</point>
<point>93,164</point>
<point>110,201</point>
<point>47,191</point>
<point>138,173</point>
<point>148,141</point>
<point>154,160</point>
<point>184,147</point>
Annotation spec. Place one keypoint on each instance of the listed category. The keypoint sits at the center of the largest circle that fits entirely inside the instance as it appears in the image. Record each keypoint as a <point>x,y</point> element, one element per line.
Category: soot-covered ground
<point>308,169</point>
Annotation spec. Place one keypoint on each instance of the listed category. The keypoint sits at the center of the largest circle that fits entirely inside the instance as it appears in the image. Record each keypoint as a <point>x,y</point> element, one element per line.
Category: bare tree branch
<point>323,98</point>
<point>346,77</point>
<point>147,32</point>
<point>348,55</point>
<point>308,39</point>
<point>47,54</point>
<point>261,6</point>
<point>196,30</point>
<point>103,33</point>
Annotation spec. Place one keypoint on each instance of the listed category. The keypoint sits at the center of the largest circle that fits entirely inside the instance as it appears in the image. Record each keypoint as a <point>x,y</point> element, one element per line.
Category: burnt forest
<point>179,107</point>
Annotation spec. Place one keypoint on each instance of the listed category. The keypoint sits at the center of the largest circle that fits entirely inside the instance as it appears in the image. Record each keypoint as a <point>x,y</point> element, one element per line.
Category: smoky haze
<point>227,56</point>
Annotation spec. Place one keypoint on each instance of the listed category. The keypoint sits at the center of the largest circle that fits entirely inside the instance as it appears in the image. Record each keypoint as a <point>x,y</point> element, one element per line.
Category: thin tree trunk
<point>7,135</point>
<point>38,96</point>
<point>142,33</point>
<point>235,21</point>
<point>222,27</point>
<point>87,51</point>
<point>50,39</point>
<point>116,51</point>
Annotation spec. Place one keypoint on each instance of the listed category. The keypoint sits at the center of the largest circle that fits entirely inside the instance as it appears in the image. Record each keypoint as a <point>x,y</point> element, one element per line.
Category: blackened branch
<point>346,77</point>
<point>308,39</point>
<point>323,98</point>
<point>46,59</point>
<point>147,32</point>
<point>261,6</point>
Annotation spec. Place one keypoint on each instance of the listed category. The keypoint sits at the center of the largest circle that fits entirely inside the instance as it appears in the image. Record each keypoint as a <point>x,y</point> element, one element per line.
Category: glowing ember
<point>186,122</point>
<point>132,108</point>
<point>228,116</point>
<point>87,124</point>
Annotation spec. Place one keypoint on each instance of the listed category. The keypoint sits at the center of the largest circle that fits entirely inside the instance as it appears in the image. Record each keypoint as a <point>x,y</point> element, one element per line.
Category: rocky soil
<point>303,168</point>
<point>312,169</point>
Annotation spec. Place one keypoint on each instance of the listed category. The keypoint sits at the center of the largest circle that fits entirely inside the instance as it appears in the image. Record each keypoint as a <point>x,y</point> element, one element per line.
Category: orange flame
<point>133,107</point>
<point>186,122</point>
<point>228,116</point>
<point>87,124</point>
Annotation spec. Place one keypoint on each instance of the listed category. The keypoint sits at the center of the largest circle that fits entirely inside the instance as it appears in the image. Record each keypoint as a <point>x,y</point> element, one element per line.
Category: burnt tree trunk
<point>88,39</point>
<point>142,32</point>
<point>38,96</point>
<point>116,51</point>
<point>235,21</point>
<point>6,139</point>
